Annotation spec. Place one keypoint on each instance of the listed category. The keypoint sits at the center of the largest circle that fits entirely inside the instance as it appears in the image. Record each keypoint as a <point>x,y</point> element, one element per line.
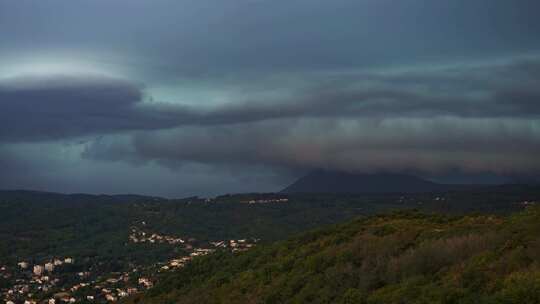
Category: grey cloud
<point>347,84</point>
<point>69,106</point>
<point>492,89</point>
<point>203,37</point>
<point>44,109</point>
<point>468,117</point>
<point>56,166</point>
<point>435,145</point>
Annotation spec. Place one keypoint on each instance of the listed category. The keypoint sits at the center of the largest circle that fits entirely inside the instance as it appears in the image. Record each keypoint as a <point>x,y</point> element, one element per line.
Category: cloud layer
<point>473,118</point>
<point>62,107</point>
<point>100,94</point>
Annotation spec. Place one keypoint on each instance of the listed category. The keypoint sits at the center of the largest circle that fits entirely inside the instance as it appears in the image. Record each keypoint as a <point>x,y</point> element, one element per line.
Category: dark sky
<point>201,97</point>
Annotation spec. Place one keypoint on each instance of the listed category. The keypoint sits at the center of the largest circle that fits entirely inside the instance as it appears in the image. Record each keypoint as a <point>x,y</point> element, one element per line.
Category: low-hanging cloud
<point>175,97</point>
<point>470,117</point>
<point>62,107</point>
<point>502,146</point>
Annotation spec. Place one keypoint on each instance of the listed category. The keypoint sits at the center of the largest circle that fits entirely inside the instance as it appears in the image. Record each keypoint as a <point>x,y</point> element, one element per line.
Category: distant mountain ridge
<point>321,181</point>
<point>45,196</point>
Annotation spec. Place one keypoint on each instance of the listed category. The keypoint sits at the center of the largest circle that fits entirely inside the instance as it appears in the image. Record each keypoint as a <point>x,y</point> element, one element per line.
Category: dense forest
<point>403,257</point>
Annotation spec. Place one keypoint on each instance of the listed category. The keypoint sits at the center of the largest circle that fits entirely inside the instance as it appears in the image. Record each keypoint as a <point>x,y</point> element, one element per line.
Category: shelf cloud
<point>266,89</point>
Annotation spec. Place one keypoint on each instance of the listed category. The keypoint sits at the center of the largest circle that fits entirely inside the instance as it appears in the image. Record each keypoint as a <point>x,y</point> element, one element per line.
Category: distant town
<point>55,280</point>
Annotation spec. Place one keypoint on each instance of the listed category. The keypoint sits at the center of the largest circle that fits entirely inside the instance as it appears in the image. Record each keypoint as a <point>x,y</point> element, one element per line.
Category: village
<point>53,281</point>
<point>267,201</point>
<point>46,283</point>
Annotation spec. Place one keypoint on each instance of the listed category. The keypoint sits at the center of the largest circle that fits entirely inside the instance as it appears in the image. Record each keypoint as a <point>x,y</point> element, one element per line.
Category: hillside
<point>341,182</point>
<point>405,257</point>
<point>104,234</point>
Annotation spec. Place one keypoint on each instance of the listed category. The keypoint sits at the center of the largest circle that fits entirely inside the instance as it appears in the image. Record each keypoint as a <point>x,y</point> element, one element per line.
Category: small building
<point>146,282</point>
<point>38,270</point>
<point>49,267</point>
<point>110,298</point>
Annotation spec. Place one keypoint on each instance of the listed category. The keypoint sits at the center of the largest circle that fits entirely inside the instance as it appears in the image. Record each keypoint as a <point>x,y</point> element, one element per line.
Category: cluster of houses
<point>189,245</point>
<point>40,281</point>
<point>139,236</point>
<point>236,245</point>
<point>176,263</point>
<point>233,245</point>
<point>43,283</point>
<point>31,279</point>
<point>267,201</point>
<point>48,267</point>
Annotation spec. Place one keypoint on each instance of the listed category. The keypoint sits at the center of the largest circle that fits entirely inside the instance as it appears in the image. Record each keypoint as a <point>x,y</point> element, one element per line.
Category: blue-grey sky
<point>201,97</point>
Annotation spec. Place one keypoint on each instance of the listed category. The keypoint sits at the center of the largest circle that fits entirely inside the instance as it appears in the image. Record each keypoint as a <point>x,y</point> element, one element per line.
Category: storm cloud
<point>36,109</point>
<point>62,107</point>
<point>472,118</point>
<point>173,89</point>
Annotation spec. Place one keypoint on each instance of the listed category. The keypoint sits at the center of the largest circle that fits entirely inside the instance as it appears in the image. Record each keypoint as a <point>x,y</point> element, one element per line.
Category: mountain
<point>404,257</point>
<point>340,182</point>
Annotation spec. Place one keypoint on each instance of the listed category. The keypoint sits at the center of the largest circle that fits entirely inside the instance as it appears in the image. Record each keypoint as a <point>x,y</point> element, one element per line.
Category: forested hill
<point>405,257</point>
